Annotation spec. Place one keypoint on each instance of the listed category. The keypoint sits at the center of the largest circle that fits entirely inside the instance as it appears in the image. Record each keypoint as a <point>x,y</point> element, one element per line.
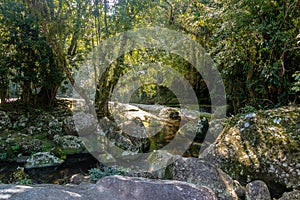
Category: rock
<point>42,159</point>
<point>240,191</point>
<point>70,144</point>
<point>85,124</point>
<point>122,139</point>
<point>257,190</point>
<point>134,128</point>
<point>215,128</point>
<point>4,121</point>
<point>123,188</point>
<point>79,178</point>
<point>294,195</point>
<point>21,123</point>
<point>195,131</point>
<point>47,123</point>
<point>170,123</point>
<point>111,187</point>
<point>264,145</point>
<point>137,134</point>
<point>169,113</point>
<point>69,126</point>
<point>201,129</point>
<point>201,173</point>
<point>161,124</point>
<point>46,192</point>
<point>171,118</point>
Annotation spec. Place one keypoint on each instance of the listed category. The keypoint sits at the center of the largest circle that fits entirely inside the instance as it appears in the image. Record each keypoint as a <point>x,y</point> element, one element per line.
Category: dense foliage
<point>255,45</point>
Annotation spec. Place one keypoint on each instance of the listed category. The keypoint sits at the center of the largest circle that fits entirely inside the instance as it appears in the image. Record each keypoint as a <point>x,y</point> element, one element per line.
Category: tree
<point>48,40</point>
<point>64,24</point>
<point>256,49</point>
<point>27,55</point>
<point>132,14</point>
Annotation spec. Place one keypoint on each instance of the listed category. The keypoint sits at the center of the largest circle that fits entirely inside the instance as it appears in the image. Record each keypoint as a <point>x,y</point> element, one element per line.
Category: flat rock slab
<point>111,188</point>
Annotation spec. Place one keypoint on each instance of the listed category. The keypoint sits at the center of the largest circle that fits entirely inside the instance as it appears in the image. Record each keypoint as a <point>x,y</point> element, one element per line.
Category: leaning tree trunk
<point>108,81</point>
<point>103,94</point>
<point>105,87</point>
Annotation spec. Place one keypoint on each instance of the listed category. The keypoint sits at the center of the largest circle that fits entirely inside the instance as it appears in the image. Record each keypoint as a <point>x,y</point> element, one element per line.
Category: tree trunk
<point>26,92</point>
<point>3,90</point>
<point>106,86</point>
<point>103,95</point>
<point>47,95</point>
<point>107,83</point>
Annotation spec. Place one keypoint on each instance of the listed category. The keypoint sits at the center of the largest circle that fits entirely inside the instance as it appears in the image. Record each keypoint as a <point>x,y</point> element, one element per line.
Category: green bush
<point>96,173</point>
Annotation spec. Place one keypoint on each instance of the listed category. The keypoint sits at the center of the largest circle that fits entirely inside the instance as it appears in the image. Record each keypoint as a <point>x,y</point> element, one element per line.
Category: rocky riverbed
<point>256,156</point>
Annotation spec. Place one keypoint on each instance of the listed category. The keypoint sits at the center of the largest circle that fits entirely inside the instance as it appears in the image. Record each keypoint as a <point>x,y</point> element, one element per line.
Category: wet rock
<point>42,159</point>
<point>202,173</point>
<point>195,132</point>
<point>165,132</point>
<point>215,128</point>
<point>257,190</point>
<point>264,145</point>
<point>111,187</point>
<point>294,195</point>
<point>169,113</point>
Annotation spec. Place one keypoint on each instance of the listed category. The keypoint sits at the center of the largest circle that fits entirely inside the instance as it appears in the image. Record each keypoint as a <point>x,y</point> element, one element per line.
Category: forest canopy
<point>254,44</point>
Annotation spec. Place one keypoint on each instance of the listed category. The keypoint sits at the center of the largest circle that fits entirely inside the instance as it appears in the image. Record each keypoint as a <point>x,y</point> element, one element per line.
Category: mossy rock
<point>264,145</point>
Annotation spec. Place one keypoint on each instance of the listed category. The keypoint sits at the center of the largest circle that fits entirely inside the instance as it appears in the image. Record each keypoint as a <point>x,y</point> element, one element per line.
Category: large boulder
<point>125,139</point>
<point>112,187</point>
<point>201,173</point>
<point>123,188</point>
<point>264,145</point>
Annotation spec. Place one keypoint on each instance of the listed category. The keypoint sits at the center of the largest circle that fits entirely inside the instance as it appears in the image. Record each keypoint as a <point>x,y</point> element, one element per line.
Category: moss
<point>58,152</point>
<point>20,177</point>
<point>262,145</point>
